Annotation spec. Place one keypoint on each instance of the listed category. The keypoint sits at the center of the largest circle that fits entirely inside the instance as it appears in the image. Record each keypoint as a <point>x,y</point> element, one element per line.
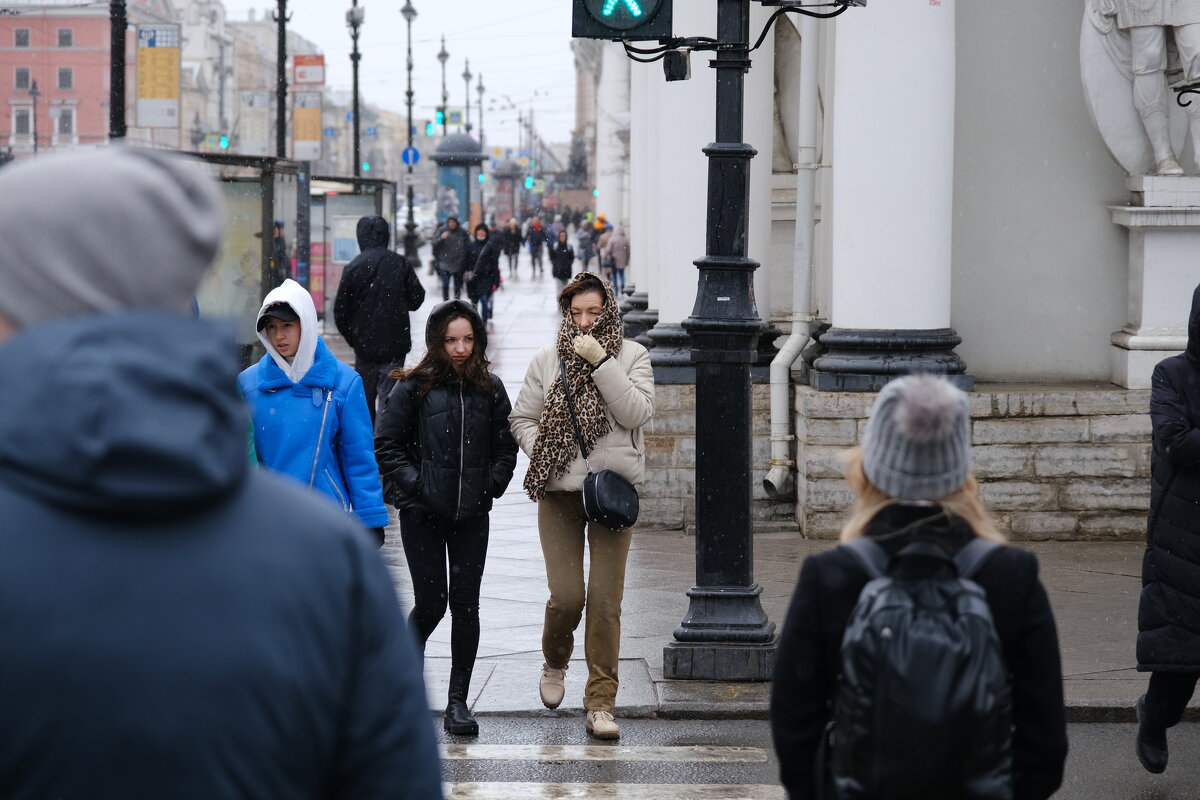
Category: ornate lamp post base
<point>724,637</point>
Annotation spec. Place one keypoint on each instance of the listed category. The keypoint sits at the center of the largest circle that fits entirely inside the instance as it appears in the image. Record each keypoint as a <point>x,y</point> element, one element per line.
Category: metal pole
<point>354,18</point>
<point>116,70</point>
<point>479,88</point>
<point>467,86</point>
<point>443,57</point>
<point>410,226</point>
<point>281,19</point>
<point>725,634</point>
<point>35,94</point>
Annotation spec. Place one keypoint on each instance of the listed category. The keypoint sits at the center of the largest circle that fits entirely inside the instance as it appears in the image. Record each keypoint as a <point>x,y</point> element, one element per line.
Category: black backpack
<point>923,709</point>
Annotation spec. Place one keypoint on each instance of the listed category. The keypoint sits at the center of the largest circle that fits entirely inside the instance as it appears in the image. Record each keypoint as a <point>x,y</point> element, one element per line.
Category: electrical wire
<point>840,9</point>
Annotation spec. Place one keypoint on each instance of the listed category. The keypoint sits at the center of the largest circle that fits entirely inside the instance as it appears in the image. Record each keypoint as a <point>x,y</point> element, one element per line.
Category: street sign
<point>410,156</point>
<point>454,116</point>
<point>308,70</point>
<point>621,19</point>
<point>371,131</point>
<point>158,76</point>
<point>330,133</point>
<point>539,186</point>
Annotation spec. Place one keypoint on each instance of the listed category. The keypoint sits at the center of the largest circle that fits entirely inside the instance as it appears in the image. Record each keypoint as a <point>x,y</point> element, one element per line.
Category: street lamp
<point>116,72</point>
<point>354,20</point>
<point>197,132</point>
<point>282,18</point>
<point>443,57</point>
<point>35,94</point>
<point>410,226</point>
<point>479,88</point>
<point>466,76</point>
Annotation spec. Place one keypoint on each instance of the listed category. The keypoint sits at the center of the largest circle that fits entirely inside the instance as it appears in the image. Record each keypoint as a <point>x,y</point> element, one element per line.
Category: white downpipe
<point>781,463</point>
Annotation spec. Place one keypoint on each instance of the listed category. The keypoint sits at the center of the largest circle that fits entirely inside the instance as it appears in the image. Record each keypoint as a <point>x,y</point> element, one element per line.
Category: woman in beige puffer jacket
<point>612,386</point>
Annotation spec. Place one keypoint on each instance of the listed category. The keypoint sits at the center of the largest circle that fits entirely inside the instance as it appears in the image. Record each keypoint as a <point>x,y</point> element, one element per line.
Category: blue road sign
<point>410,156</point>
<point>370,131</point>
<point>349,116</point>
<point>330,132</point>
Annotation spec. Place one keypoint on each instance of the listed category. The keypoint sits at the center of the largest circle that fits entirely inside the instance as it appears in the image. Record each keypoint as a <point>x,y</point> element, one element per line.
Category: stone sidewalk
<point>1093,586</point>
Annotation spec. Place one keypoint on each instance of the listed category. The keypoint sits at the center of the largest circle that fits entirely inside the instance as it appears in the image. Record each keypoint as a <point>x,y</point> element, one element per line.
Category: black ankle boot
<point>458,717</point>
<point>1151,742</point>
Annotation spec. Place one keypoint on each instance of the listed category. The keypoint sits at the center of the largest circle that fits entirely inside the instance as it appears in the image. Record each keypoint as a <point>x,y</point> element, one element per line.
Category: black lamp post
<point>354,19</point>
<point>35,94</point>
<point>443,57</point>
<point>466,76</point>
<point>197,132</point>
<point>410,226</point>
<point>116,70</point>
<point>479,89</point>
<point>282,18</point>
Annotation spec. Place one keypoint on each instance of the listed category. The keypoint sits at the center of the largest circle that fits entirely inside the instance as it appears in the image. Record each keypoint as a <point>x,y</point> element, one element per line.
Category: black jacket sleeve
<point>1175,435</point>
<point>799,709</point>
<point>395,440</point>
<point>503,445</point>
<point>414,292</point>
<point>345,305</point>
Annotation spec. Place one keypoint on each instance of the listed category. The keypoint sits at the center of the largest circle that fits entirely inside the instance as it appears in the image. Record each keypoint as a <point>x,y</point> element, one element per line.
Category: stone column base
<point>671,354</point>
<point>698,661</point>
<point>863,360</point>
<point>1134,356</point>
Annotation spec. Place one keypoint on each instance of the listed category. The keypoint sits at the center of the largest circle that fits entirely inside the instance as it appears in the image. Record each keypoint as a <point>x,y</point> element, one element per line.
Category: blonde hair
<point>963,503</point>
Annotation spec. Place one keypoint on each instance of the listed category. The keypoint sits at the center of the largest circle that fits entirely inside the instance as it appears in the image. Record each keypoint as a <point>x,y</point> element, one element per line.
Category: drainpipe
<point>781,463</point>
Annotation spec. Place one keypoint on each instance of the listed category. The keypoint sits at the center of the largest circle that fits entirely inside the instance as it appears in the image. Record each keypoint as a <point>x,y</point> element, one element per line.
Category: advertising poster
<point>306,126</point>
<point>452,193</point>
<point>504,201</point>
<point>254,124</point>
<point>158,54</point>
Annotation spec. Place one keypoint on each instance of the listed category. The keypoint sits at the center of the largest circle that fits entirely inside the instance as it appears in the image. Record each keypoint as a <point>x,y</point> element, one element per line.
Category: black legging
<point>1168,696</point>
<point>428,540</point>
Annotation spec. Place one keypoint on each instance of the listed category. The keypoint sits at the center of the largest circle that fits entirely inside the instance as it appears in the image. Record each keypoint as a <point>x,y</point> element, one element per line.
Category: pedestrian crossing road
<point>654,760</point>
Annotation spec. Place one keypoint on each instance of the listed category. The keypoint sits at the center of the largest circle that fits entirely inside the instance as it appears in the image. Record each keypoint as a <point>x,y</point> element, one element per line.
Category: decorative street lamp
<point>116,72</point>
<point>35,94</point>
<point>479,88</point>
<point>443,57</point>
<point>466,76</point>
<point>410,226</point>
<point>354,20</point>
<point>282,18</point>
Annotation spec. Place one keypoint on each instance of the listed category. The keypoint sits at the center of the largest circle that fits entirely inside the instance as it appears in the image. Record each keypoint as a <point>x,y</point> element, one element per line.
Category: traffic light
<point>440,117</point>
<point>621,19</point>
<point>482,178</point>
<point>430,128</point>
<point>224,142</point>
<point>528,181</point>
<point>366,166</point>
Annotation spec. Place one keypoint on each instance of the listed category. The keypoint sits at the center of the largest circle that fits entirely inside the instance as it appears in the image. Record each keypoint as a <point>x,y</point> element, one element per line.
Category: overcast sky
<point>521,47</point>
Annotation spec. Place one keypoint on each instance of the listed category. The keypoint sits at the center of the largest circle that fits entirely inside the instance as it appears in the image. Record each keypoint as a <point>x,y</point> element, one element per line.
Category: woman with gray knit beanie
<point>912,477</point>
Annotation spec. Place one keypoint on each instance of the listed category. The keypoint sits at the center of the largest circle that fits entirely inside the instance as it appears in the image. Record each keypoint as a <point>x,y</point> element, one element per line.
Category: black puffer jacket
<point>485,266</point>
<point>377,291</point>
<point>807,667</point>
<point>1169,615</point>
<point>451,452</point>
<point>562,257</point>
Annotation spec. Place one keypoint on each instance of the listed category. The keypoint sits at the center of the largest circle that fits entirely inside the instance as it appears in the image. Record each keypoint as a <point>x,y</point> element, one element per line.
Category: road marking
<point>612,791</point>
<point>555,753</point>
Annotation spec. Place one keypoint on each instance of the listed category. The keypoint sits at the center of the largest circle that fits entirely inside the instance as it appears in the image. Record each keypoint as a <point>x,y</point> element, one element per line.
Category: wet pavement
<point>1093,586</point>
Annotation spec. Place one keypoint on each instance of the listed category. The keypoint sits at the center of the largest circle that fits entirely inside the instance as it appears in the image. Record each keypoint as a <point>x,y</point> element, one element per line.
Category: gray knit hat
<point>917,445</point>
<point>108,229</point>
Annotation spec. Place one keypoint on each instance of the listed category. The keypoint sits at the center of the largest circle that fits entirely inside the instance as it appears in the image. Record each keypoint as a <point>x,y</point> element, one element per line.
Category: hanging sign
<point>158,54</point>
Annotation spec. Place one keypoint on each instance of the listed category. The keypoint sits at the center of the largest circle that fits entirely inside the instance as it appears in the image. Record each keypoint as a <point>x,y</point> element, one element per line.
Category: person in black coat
<point>445,452</point>
<point>510,240</point>
<point>912,473</point>
<point>1168,642</point>
<point>377,291</point>
<point>562,258</point>
<point>484,274</point>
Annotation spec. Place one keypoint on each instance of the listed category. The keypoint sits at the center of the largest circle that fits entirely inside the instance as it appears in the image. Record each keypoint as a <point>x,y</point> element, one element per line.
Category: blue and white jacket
<point>310,416</point>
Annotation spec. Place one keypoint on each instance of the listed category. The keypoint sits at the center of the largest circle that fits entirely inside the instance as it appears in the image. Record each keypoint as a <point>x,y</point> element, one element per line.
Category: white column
<point>612,126</point>
<point>893,132</point>
<point>643,188</point>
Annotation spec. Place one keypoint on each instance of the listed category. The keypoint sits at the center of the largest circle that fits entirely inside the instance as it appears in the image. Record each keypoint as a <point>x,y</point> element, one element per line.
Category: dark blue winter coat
<point>1169,614</point>
<point>175,623</point>
<point>318,431</point>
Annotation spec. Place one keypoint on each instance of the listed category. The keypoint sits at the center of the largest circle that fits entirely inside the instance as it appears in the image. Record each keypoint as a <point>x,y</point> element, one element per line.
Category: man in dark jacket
<point>450,255</point>
<point>176,624</point>
<point>1168,645</point>
<point>378,289</point>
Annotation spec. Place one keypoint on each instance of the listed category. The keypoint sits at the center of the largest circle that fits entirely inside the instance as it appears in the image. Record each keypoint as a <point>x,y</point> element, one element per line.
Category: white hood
<point>301,302</point>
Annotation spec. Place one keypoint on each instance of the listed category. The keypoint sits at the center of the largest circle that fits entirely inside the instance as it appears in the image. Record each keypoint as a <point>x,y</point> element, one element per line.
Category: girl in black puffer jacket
<point>445,451</point>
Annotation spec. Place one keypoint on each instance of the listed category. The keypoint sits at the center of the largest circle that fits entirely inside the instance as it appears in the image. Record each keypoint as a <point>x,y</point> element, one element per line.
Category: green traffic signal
<point>429,128</point>
<point>440,118</point>
<point>366,166</point>
<point>224,142</point>
<point>621,19</point>
<point>528,181</point>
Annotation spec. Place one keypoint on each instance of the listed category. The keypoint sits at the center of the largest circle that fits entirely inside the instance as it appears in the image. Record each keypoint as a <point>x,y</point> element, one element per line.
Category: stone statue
<point>1133,36</point>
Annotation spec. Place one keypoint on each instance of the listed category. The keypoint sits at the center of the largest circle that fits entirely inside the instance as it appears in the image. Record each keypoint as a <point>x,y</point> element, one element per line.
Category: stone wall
<point>1065,462</point>
<point>668,497</point>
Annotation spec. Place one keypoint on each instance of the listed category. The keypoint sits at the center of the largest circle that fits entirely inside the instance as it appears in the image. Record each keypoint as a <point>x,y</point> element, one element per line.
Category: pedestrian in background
<point>585,241</point>
<point>913,483</point>
<point>176,623</point>
<point>446,452</point>
<point>310,411</point>
<point>562,259</point>
<point>511,242</point>
<point>1168,642</point>
<point>280,268</point>
<point>450,253</point>
<point>377,291</point>
<point>537,240</point>
<point>612,386</point>
<point>484,275</point>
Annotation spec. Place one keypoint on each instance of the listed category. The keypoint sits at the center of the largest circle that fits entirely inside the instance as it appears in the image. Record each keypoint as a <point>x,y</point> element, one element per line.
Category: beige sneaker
<point>602,725</point>
<point>551,685</point>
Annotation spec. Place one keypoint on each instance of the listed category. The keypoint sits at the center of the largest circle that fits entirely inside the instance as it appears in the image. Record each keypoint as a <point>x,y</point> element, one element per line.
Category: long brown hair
<point>436,368</point>
<point>963,503</point>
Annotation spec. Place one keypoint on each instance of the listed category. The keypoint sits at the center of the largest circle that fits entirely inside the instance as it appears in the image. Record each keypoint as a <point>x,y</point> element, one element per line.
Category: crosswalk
<point>610,791</point>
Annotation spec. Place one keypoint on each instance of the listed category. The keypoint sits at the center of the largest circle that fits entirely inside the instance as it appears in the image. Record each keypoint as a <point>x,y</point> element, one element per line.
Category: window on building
<point>66,121</point>
<point>21,122</point>
<point>66,78</point>
<point>66,37</point>
<point>21,37</point>
<point>21,79</point>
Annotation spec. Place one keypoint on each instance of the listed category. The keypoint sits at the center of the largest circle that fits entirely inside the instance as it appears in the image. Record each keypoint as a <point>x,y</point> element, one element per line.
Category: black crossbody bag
<point>608,497</point>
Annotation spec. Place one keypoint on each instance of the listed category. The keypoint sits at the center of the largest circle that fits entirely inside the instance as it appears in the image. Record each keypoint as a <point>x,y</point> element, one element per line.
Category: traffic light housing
<point>224,142</point>
<point>440,117</point>
<point>430,129</point>
<point>629,20</point>
<point>528,181</point>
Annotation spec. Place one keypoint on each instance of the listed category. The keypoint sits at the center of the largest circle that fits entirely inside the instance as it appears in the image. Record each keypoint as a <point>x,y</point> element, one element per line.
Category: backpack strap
<point>869,555</point>
<point>971,556</point>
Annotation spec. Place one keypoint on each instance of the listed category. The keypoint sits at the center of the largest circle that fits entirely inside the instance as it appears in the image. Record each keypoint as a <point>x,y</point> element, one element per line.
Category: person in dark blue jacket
<point>1168,642</point>
<point>446,451</point>
<point>310,412</point>
<point>176,623</point>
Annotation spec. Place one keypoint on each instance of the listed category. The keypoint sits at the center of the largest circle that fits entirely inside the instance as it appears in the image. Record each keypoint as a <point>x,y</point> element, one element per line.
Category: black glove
<point>378,535</point>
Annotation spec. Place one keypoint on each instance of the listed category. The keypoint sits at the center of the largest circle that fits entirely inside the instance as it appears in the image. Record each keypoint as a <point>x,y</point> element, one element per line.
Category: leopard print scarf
<point>555,447</point>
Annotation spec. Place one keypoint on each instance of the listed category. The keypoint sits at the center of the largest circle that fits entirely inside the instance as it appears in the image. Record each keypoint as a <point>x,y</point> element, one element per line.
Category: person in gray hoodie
<point>176,624</point>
